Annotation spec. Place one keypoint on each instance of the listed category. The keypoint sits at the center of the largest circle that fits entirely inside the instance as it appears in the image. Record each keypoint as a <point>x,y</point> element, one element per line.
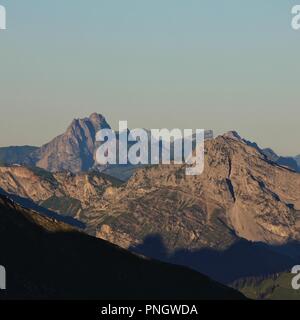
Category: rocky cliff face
<point>239,191</point>
<point>240,194</point>
<point>76,195</point>
<point>288,162</point>
<point>74,150</point>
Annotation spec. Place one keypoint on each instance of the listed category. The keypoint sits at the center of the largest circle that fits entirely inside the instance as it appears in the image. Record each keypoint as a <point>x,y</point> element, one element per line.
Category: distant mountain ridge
<point>17,155</point>
<point>196,221</point>
<point>245,192</point>
<point>289,162</point>
<point>229,161</point>
<point>75,149</point>
<point>71,151</point>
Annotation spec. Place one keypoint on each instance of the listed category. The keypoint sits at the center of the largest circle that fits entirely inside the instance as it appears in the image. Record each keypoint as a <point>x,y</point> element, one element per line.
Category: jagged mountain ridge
<point>256,199</point>
<point>288,162</point>
<point>71,151</point>
<point>46,259</point>
<point>17,155</point>
<point>74,150</point>
<point>240,191</point>
<point>67,193</point>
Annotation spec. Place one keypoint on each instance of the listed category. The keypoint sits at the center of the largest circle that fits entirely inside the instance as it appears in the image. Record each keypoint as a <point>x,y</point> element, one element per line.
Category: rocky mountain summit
<point>288,162</point>
<point>240,192</point>
<point>72,151</point>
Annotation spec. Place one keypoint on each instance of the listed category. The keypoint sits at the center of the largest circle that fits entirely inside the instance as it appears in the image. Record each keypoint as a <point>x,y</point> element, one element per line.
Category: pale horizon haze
<point>221,65</point>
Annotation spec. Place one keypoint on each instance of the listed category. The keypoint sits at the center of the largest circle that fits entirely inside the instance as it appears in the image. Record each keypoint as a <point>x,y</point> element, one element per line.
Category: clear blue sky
<point>226,64</point>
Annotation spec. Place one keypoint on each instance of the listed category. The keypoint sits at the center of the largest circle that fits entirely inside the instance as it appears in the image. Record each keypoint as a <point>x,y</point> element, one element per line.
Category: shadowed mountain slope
<point>242,259</point>
<point>45,259</point>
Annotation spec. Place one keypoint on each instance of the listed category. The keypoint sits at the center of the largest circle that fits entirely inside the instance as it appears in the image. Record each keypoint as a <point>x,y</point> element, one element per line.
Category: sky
<point>221,65</point>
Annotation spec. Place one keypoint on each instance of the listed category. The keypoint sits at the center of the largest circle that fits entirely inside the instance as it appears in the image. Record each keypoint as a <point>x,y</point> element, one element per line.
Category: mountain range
<point>73,151</point>
<point>242,213</point>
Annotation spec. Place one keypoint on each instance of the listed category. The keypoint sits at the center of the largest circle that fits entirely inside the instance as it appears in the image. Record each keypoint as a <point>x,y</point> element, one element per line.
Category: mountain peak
<point>232,135</point>
<point>76,146</point>
<point>98,121</point>
<point>96,117</point>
